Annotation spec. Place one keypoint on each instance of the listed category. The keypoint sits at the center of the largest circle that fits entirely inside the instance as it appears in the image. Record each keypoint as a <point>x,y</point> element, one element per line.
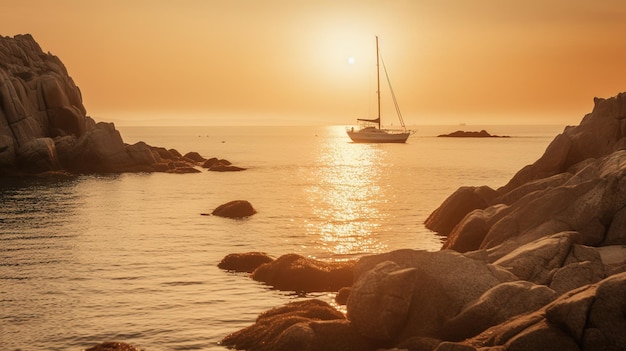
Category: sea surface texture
<point>130,257</point>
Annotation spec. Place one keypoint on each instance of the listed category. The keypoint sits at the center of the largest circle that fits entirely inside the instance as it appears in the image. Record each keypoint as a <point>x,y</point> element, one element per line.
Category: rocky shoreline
<point>45,130</point>
<point>538,264</point>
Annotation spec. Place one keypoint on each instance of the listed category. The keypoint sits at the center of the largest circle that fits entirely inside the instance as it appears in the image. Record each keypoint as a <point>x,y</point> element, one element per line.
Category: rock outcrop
<point>577,185</point>
<point>44,126</point>
<point>539,264</point>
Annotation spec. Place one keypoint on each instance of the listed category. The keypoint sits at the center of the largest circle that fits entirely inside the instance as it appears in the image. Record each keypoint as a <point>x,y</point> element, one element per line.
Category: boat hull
<point>378,136</point>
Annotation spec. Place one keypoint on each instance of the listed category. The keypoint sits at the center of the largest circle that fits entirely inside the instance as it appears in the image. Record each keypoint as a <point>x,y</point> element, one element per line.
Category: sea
<point>131,258</point>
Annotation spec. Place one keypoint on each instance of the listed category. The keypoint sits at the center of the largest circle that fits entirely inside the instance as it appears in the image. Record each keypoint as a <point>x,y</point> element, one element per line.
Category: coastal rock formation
<point>301,274</point>
<point>44,126</point>
<point>464,134</point>
<point>234,209</point>
<point>538,264</point>
<point>578,184</point>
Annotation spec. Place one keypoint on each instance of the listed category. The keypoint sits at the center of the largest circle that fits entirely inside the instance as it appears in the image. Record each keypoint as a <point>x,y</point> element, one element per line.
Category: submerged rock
<point>244,262</point>
<point>113,346</point>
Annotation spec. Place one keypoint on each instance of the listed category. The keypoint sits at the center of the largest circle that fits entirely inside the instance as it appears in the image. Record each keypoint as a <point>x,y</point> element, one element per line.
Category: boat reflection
<point>346,199</point>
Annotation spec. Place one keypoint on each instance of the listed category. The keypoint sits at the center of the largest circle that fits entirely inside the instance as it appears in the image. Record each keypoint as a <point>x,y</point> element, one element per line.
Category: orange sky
<point>215,62</point>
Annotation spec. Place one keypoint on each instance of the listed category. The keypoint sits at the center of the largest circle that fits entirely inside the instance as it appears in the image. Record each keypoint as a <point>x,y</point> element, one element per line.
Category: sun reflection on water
<point>346,197</point>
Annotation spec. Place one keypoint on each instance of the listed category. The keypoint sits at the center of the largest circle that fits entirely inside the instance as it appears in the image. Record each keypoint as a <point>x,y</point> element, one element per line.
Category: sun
<point>351,60</point>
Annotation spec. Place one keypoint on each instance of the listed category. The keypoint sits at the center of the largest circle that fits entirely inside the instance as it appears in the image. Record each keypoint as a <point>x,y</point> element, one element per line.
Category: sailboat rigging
<point>371,130</point>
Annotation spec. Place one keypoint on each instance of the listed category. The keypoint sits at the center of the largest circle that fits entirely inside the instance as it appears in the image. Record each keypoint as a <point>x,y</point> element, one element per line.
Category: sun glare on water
<point>345,200</point>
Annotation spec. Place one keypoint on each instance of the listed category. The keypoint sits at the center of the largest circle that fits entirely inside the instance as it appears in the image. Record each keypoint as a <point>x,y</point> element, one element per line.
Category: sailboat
<point>370,130</point>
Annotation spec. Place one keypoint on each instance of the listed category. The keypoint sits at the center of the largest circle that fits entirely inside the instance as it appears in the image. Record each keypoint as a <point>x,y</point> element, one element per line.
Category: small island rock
<point>464,134</point>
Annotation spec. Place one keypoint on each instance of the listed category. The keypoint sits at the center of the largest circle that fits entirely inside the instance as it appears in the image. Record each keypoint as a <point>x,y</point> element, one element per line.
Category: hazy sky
<point>289,62</point>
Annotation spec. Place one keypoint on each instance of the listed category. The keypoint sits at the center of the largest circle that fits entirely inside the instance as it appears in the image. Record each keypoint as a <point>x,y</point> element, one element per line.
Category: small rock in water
<point>235,209</point>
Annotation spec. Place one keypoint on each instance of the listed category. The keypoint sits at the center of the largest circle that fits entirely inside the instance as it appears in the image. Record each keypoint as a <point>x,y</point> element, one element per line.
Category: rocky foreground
<point>539,264</point>
<point>44,128</point>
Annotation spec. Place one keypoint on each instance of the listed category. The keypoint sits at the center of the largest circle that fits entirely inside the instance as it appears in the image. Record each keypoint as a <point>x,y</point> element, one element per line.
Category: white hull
<point>374,135</point>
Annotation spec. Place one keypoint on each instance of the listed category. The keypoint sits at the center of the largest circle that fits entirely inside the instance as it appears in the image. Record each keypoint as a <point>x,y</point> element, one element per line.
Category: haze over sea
<point>129,257</point>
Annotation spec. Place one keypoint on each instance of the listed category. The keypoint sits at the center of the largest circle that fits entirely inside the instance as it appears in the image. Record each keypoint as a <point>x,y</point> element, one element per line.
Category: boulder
<point>496,306</point>
<point>141,153</point>
<point>589,318</point>
<point>293,272</point>
<point>244,262</point>
<point>471,231</point>
<point>194,156</point>
<point>209,162</point>
<point>537,261</point>
<point>457,206</point>
<point>234,209</point>
<point>100,150</point>
<point>444,282</point>
<point>308,325</point>
<point>379,302</point>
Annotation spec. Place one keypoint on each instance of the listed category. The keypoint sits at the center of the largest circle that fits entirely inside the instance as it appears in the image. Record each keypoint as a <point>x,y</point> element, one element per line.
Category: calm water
<point>130,258</point>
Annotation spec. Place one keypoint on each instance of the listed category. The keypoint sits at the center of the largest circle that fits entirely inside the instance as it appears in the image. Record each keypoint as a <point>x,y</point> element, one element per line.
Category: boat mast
<point>378,81</point>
